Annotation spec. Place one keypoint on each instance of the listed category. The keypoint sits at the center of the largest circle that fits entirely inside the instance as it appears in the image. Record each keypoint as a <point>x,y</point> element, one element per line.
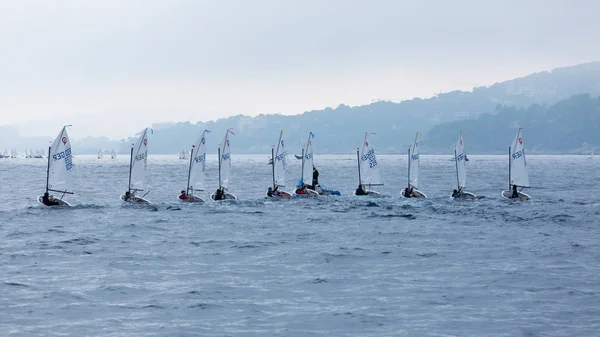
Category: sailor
<point>360,190</point>
<point>515,194</point>
<point>270,191</point>
<point>183,195</point>
<point>315,180</point>
<point>48,200</point>
<point>220,194</point>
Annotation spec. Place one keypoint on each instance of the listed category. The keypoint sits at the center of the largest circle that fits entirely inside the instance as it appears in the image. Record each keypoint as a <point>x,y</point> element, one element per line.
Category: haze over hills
<point>490,114</point>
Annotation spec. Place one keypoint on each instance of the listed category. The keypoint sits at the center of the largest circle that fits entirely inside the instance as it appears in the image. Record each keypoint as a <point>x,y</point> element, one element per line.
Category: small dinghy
<point>368,168</point>
<point>302,188</point>
<point>224,153</point>
<point>517,170</point>
<point>137,169</point>
<point>195,181</point>
<point>412,191</point>
<point>279,166</point>
<point>59,172</point>
<point>113,154</point>
<point>461,171</point>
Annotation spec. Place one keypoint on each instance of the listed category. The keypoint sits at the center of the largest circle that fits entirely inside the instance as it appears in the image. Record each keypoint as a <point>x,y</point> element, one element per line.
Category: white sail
<point>60,164</point>
<point>414,163</point>
<point>461,167</point>
<point>518,163</point>
<point>280,162</point>
<point>370,173</point>
<point>307,161</point>
<point>100,154</point>
<point>198,163</point>
<point>139,159</point>
<point>113,154</point>
<point>225,161</point>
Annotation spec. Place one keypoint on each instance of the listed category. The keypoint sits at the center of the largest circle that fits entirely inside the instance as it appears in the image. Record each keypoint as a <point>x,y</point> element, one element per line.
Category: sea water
<point>334,266</point>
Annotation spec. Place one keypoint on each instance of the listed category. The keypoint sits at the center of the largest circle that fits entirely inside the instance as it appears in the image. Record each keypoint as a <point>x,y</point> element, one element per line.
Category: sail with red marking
<point>518,163</point>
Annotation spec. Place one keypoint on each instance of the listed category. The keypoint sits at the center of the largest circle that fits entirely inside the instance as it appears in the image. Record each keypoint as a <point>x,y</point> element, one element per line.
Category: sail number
<point>226,156</point>
<point>308,156</point>
<point>281,157</point>
<point>415,157</point>
<point>201,159</point>
<point>66,155</point>
<point>519,154</point>
<point>141,156</point>
<point>460,157</point>
<point>370,156</point>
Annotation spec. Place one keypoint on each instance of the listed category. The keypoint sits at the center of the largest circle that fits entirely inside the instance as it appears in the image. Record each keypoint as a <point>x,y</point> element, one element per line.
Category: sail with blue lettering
<point>461,164</point>
<point>225,161</point>
<point>414,163</point>
<point>60,164</point>
<point>280,162</point>
<point>518,164</point>
<point>139,161</point>
<point>307,161</point>
<point>198,163</point>
<point>370,173</point>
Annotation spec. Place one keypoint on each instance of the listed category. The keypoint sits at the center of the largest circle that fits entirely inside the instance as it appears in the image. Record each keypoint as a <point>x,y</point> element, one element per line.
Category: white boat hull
<point>62,203</point>
<point>137,200</point>
<point>369,193</point>
<point>417,193</point>
<point>310,194</point>
<point>282,196</point>
<point>192,199</point>
<point>522,196</point>
<point>465,196</point>
<point>226,196</point>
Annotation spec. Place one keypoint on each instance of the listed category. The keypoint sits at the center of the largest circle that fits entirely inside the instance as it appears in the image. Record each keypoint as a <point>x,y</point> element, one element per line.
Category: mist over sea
<point>334,266</point>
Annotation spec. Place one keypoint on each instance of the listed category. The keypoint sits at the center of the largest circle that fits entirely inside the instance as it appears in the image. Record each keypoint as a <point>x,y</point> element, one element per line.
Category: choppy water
<point>337,266</point>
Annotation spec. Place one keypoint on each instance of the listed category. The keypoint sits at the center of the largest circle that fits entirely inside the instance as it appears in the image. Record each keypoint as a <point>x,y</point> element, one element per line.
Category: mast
<point>187,190</point>
<point>48,169</point>
<point>409,167</point>
<point>509,169</point>
<point>358,159</point>
<point>130,165</point>
<point>302,176</point>
<point>456,161</point>
<point>219,154</point>
<point>273,164</point>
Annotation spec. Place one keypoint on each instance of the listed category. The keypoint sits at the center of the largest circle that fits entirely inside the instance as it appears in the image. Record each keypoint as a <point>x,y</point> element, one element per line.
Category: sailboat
<point>368,168</point>
<point>413,172</point>
<point>517,169</point>
<point>59,170</point>
<point>591,156</point>
<point>279,165</point>
<point>137,168</point>
<point>224,153</point>
<point>100,154</point>
<point>195,181</point>
<point>307,174</point>
<point>461,169</point>
<point>113,154</point>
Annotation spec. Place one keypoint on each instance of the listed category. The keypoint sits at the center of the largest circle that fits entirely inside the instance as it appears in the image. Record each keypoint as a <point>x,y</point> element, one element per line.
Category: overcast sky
<point>112,67</point>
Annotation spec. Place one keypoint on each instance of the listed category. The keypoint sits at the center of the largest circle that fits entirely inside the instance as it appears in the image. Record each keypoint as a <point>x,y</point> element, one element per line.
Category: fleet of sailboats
<point>60,165</point>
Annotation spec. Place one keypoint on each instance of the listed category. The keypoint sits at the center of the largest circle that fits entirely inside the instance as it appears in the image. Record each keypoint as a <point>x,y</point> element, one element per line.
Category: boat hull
<point>465,196</point>
<point>310,194</point>
<point>417,193</point>
<point>61,202</point>
<point>137,200</point>
<point>369,193</point>
<point>283,195</point>
<point>227,196</point>
<point>192,199</point>
<point>522,196</point>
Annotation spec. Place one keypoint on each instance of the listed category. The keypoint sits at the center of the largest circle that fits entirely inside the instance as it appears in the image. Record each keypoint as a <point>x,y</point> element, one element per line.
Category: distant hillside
<point>340,130</point>
<point>569,126</point>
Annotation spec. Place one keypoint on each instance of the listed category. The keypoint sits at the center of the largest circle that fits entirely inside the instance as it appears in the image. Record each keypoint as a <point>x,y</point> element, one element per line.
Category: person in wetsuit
<point>49,201</point>
<point>315,180</point>
<point>360,190</point>
<point>220,195</point>
<point>515,194</point>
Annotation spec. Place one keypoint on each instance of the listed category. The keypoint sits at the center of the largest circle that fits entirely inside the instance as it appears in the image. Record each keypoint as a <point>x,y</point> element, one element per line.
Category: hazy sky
<point>112,67</point>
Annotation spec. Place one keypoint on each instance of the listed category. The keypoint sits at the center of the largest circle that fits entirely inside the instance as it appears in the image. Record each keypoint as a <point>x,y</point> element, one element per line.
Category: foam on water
<point>336,266</point>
